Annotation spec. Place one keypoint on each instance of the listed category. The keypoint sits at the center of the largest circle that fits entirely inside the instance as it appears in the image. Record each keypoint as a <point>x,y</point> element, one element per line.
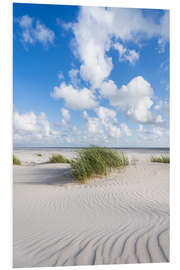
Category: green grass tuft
<point>96,161</point>
<point>58,159</point>
<point>161,159</point>
<point>16,161</point>
<point>39,155</point>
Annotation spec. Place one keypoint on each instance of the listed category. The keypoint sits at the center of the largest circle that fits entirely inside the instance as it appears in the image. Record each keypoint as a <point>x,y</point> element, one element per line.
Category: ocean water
<point>141,150</point>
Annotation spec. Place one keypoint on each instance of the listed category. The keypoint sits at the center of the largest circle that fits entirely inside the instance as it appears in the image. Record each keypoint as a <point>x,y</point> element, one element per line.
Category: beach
<point>119,219</point>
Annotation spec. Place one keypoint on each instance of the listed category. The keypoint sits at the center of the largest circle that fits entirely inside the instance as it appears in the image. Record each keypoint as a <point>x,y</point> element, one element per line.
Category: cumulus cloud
<point>95,28</point>
<point>25,122</point>
<point>106,115</point>
<point>75,98</point>
<point>133,99</point>
<point>105,124</point>
<point>107,118</point>
<point>94,125</point>
<point>34,129</point>
<point>125,54</point>
<point>33,31</point>
<point>29,127</point>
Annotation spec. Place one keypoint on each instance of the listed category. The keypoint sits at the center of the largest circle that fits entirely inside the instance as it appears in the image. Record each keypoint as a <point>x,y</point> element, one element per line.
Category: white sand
<point>121,219</point>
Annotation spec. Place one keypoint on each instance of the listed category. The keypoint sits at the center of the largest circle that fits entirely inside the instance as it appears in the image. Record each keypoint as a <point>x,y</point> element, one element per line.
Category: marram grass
<point>96,161</point>
<point>16,161</point>
<point>161,159</point>
<point>58,159</point>
<point>39,155</point>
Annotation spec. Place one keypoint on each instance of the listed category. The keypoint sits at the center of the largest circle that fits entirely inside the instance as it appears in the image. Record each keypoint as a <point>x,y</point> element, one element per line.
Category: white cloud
<point>43,34</point>
<point>121,49</point>
<point>35,33</point>
<point>32,128</point>
<point>107,118</point>
<point>163,107</point>
<point>25,122</point>
<point>73,74</point>
<point>157,132</point>
<point>106,115</point>
<point>93,37</point>
<point>65,26</point>
<point>164,26</point>
<point>26,21</point>
<point>125,54</point>
<point>114,131</point>
<point>161,45</point>
<point>154,136</point>
<point>104,125</point>
<point>66,116</point>
<point>94,125</point>
<point>126,129</point>
<point>85,115</point>
<point>75,98</point>
<point>132,56</point>
<point>92,42</point>
<point>159,119</point>
<point>164,32</point>
<point>133,99</point>
<point>26,25</point>
<point>140,128</point>
<point>109,90</point>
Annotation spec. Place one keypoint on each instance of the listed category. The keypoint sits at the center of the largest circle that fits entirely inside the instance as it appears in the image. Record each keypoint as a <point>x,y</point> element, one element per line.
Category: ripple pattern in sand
<point>122,219</point>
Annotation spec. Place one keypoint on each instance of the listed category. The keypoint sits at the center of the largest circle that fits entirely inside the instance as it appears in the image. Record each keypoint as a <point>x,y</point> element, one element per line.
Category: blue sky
<point>88,75</point>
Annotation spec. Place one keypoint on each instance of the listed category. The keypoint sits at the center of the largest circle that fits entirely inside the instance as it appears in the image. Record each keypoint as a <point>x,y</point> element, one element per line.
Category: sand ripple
<point>122,219</point>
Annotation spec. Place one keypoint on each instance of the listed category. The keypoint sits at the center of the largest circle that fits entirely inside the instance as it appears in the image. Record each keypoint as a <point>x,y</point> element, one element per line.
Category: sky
<point>90,76</point>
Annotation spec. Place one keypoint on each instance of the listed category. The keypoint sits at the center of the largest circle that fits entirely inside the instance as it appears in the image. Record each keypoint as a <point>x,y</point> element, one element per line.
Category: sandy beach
<point>123,218</point>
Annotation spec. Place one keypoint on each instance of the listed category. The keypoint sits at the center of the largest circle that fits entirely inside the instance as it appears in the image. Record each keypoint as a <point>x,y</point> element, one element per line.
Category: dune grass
<point>58,159</point>
<point>16,161</point>
<point>161,159</point>
<point>39,155</point>
<point>96,161</point>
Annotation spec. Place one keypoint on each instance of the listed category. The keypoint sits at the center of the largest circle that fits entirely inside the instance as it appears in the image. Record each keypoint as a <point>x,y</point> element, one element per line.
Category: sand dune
<point>121,219</point>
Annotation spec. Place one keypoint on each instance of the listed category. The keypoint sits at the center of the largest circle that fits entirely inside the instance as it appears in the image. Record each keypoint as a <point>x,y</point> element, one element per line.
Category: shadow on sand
<point>40,175</point>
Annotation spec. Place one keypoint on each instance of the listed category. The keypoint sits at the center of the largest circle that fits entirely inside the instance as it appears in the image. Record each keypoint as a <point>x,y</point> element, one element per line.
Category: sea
<point>142,150</point>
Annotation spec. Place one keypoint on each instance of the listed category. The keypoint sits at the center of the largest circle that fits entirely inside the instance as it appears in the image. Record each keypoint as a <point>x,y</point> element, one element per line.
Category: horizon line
<point>135,147</point>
